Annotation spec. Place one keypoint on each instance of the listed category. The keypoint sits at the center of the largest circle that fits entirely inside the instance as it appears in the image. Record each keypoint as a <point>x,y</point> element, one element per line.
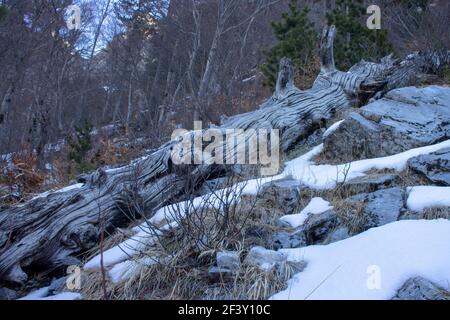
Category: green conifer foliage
<point>354,40</point>
<point>297,40</point>
<point>3,12</point>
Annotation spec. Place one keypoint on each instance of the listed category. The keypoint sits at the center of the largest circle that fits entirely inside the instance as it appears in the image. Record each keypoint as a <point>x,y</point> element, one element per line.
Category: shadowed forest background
<point>74,100</point>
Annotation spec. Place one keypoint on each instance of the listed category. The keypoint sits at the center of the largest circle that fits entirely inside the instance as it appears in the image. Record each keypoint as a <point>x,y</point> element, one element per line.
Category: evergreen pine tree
<point>296,40</point>
<point>354,41</point>
<point>80,147</point>
<point>3,12</point>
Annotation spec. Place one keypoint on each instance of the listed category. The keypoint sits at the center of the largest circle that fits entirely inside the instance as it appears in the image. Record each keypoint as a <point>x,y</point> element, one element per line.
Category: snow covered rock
<point>372,265</point>
<point>338,234</point>
<point>405,118</point>
<point>319,226</point>
<point>380,207</point>
<point>419,288</point>
<point>228,260</point>
<point>316,205</point>
<point>315,228</point>
<point>428,197</point>
<point>435,166</point>
<point>326,176</point>
<point>264,259</point>
<point>355,138</point>
<point>285,194</point>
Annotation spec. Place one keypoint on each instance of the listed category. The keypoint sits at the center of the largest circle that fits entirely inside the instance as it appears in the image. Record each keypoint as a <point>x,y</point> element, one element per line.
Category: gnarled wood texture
<point>51,231</point>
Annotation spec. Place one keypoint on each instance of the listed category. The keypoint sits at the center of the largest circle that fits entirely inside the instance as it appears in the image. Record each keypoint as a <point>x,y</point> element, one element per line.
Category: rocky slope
<point>371,221</point>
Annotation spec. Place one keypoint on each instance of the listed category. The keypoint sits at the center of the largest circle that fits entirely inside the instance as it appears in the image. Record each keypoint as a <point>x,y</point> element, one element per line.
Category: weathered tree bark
<point>52,230</point>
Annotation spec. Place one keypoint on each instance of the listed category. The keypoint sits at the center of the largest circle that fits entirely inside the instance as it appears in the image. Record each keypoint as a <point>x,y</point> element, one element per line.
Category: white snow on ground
<point>124,270</point>
<point>395,252</point>
<point>425,197</point>
<point>42,294</point>
<point>316,206</point>
<point>133,246</point>
<point>295,220</point>
<point>302,168</point>
<point>327,176</point>
<point>64,296</point>
<point>38,294</point>
<point>332,128</point>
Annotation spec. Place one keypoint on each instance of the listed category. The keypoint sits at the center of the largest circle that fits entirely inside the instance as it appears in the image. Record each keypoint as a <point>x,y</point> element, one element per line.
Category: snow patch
<point>316,206</point>
<point>332,128</point>
<point>124,270</point>
<point>426,197</point>
<point>127,249</point>
<point>302,169</point>
<point>327,176</point>
<point>36,295</point>
<point>64,296</point>
<point>399,251</point>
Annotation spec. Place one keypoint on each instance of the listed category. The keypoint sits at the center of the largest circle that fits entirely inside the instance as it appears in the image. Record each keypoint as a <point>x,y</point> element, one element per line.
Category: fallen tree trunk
<point>51,231</point>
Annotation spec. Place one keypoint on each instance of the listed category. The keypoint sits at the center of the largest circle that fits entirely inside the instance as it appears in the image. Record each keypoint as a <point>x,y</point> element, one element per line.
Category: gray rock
<point>410,215</point>
<point>381,207</point>
<point>319,226</point>
<point>265,259</point>
<point>289,240</point>
<point>228,260</point>
<point>338,234</point>
<point>302,146</point>
<point>218,273</point>
<point>356,138</point>
<point>8,294</point>
<point>435,166</point>
<point>405,118</point>
<point>285,194</point>
<point>317,229</point>
<point>371,183</point>
<point>421,289</point>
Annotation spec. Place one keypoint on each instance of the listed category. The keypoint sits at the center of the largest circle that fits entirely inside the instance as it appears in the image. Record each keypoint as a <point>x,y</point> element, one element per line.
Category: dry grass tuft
<point>436,213</point>
<point>191,251</point>
<point>23,173</point>
<point>185,276</point>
